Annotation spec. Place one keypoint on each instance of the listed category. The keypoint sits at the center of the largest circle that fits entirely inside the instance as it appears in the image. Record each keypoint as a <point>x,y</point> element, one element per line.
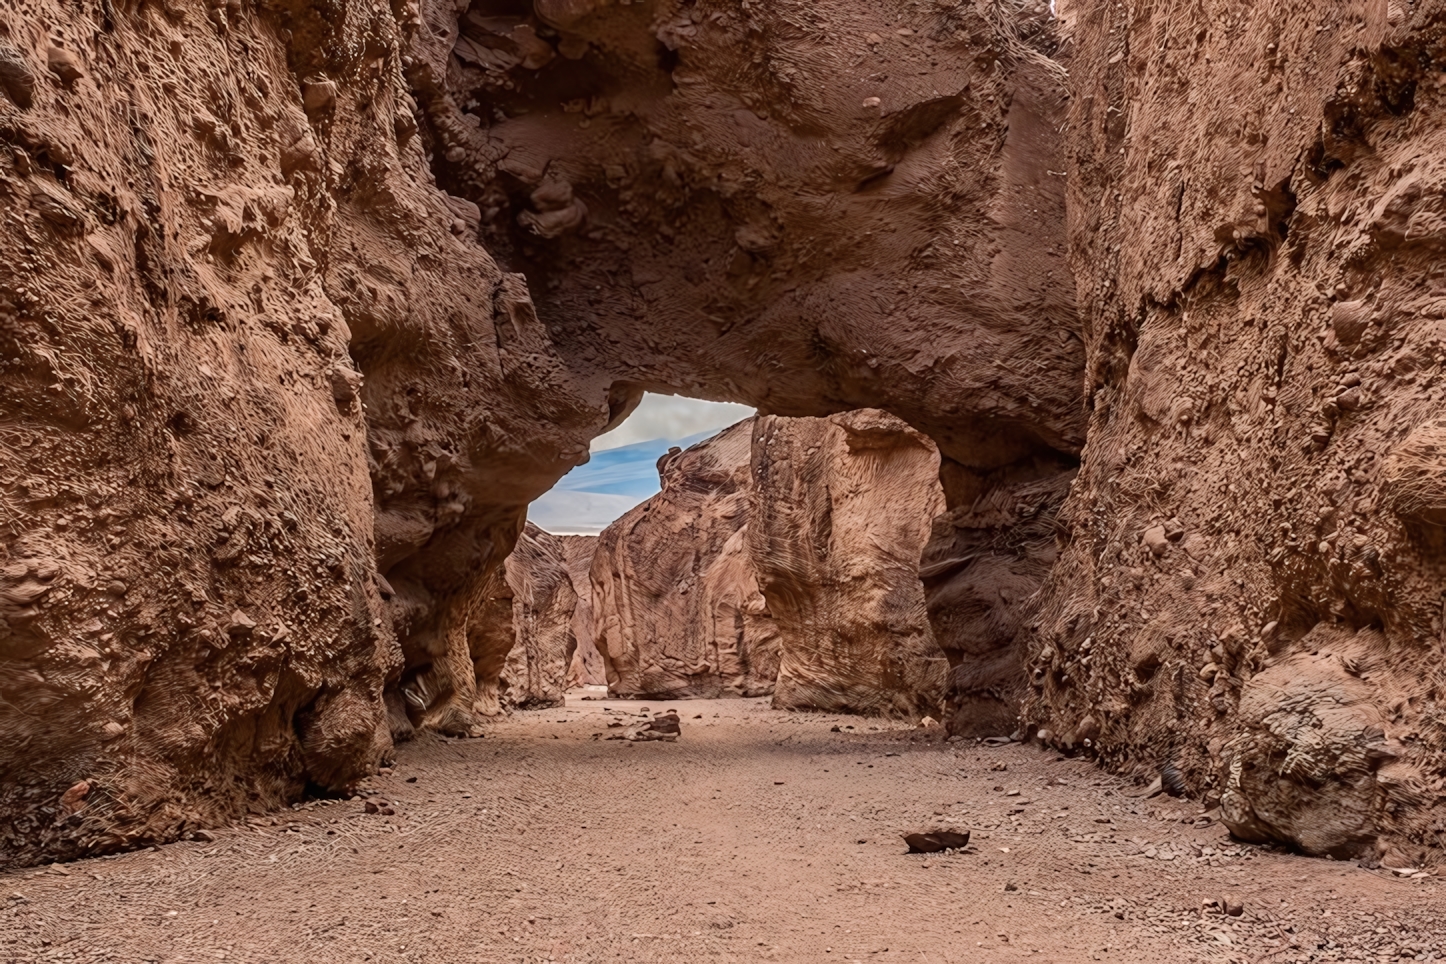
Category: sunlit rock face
<point>586,668</point>
<point>676,608</point>
<point>840,512</point>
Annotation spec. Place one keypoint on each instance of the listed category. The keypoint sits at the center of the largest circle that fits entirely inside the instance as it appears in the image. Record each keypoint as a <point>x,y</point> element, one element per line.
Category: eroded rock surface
<point>840,512</point>
<point>982,569</point>
<point>543,602</point>
<point>833,205</point>
<point>245,365</point>
<point>676,609</point>
<point>519,644</point>
<point>587,665</point>
<point>1257,223</point>
<point>272,414</point>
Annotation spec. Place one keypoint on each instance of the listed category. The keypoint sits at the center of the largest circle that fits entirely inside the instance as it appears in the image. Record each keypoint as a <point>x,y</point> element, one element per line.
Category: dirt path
<point>759,836</point>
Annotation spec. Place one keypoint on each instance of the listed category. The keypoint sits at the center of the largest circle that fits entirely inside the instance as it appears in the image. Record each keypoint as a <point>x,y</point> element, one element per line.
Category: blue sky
<point>623,469</point>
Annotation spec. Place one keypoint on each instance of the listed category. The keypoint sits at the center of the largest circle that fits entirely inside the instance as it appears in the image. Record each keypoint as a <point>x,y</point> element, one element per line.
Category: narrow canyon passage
<point>759,835</point>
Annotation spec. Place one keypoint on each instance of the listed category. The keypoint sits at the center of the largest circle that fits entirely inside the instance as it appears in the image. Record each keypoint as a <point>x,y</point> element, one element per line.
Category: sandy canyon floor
<point>758,836</point>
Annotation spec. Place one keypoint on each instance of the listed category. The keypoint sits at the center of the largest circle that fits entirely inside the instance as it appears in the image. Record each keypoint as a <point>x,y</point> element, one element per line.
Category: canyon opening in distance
<point>1093,499</point>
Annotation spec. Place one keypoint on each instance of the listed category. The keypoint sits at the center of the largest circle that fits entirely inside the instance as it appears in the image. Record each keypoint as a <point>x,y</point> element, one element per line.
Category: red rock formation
<point>1250,580</point>
<point>807,206</point>
<point>676,610</point>
<point>519,644</point>
<point>543,603</point>
<point>245,361</point>
<point>272,414</point>
<point>840,511</point>
<point>587,664</point>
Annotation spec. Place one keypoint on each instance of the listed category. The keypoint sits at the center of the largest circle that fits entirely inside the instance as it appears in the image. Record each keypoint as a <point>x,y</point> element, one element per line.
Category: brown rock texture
<point>519,644</point>
<point>543,602</point>
<point>245,364</point>
<point>587,664</point>
<point>270,411</point>
<point>676,609</point>
<point>260,372</point>
<point>840,510</point>
<point>833,205</point>
<point>982,569</point>
<point>1251,572</point>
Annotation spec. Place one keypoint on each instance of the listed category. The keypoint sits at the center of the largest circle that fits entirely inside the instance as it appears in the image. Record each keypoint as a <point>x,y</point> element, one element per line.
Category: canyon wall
<point>782,556</point>
<point>982,569</point>
<point>676,610</point>
<point>1252,563</point>
<point>272,402</point>
<point>273,412</point>
<point>535,675</point>
<point>250,360</point>
<point>840,510</point>
<point>587,665</point>
<point>519,646</point>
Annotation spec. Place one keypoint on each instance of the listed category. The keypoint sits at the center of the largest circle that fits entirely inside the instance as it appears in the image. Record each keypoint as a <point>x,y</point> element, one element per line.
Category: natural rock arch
<point>271,409</point>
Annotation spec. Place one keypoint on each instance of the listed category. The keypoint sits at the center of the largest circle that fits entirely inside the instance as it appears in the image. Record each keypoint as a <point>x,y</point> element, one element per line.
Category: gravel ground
<point>758,836</point>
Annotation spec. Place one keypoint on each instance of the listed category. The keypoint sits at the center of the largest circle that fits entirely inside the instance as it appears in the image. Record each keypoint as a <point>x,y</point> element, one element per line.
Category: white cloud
<point>593,495</point>
<point>567,513</point>
<point>671,417</point>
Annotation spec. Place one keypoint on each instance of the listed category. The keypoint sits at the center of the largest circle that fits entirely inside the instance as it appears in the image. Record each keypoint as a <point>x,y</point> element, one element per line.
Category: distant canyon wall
<point>676,609</point>
<point>782,556</point>
<point>520,646</point>
<point>586,668</point>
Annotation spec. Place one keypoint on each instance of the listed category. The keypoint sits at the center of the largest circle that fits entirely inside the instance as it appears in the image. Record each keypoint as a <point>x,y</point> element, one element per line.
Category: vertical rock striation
<point>840,512</point>
<point>587,665</point>
<point>676,609</point>
<point>543,602</point>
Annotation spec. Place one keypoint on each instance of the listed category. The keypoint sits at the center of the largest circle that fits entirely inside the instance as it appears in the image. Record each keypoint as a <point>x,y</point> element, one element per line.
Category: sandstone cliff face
<point>676,610</point>
<point>1251,576</point>
<point>275,413</point>
<point>840,510</point>
<point>245,362</point>
<point>587,665</point>
<point>543,602</point>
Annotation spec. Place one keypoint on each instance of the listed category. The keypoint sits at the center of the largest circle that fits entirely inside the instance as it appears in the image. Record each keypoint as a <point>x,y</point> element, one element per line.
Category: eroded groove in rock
<point>677,612</point>
<point>839,513</point>
<point>543,600</point>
